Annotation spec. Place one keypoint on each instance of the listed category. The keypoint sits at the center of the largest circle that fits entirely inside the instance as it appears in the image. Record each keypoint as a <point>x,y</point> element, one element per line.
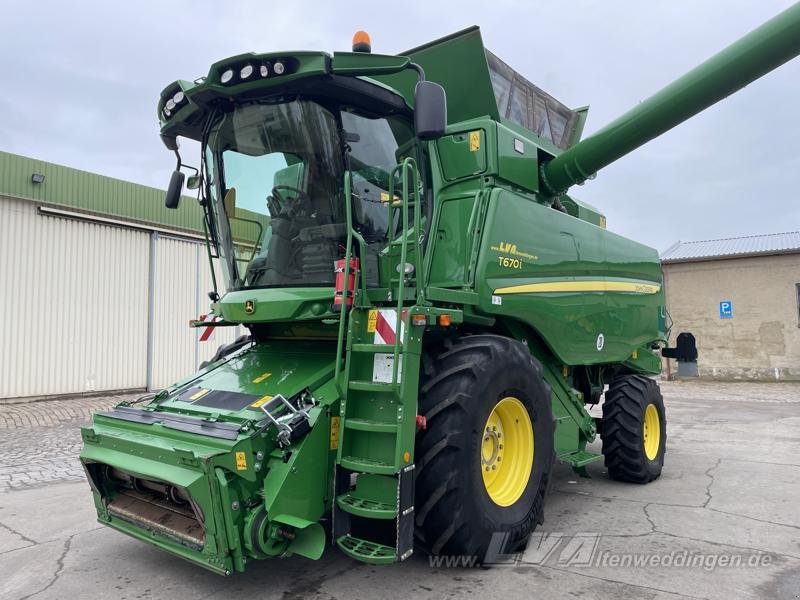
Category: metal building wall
<point>182,282</point>
<point>222,335</point>
<point>88,306</point>
<point>72,188</point>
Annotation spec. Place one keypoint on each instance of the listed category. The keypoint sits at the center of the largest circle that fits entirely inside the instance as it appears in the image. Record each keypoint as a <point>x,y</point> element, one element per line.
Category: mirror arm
<point>181,164</point>
<point>418,68</point>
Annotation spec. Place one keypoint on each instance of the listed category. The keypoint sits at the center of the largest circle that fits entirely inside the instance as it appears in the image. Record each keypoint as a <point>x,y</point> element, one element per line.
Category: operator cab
<point>290,155</point>
<point>275,169</point>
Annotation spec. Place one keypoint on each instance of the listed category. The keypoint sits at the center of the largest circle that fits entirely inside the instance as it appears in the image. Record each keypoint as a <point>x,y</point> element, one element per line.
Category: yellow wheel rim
<point>507,451</point>
<point>652,431</point>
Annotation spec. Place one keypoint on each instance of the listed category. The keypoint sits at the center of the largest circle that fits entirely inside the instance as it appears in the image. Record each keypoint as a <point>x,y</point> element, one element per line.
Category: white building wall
<point>74,305</point>
<point>761,341</point>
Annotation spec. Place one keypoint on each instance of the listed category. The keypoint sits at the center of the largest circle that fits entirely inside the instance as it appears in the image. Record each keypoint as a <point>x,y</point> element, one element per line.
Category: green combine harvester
<point>429,312</point>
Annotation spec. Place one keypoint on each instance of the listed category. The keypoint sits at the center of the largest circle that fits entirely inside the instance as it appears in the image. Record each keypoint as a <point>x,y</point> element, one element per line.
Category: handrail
<point>348,188</point>
<point>473,217</point>
<point>408,169</point>
<point>210,257</point>
<point>409,177</point>
<point>362,280</point>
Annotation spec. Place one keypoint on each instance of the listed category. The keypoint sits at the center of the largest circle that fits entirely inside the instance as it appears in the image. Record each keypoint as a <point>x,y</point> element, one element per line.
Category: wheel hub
<point>507,451</point>
<point>491,448</point>
<point>651,432</point>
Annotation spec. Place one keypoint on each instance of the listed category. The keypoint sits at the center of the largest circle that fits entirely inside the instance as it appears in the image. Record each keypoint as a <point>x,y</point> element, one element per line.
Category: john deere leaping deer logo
<point>249,306</point>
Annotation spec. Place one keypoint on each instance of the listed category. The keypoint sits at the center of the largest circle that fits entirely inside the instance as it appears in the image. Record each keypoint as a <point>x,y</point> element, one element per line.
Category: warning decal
<point>334,433</point>
<point>241,461</point>
<point>261,402</point>
<point>386,326</point>
<point>372,320</point>
<point>474,141</point>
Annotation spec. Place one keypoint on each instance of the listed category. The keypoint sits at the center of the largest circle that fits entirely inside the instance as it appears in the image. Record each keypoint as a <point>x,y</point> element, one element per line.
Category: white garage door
<point>75,309</point>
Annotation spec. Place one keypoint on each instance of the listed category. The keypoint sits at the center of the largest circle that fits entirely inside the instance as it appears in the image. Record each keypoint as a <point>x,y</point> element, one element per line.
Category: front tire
<point>634,429</point>
<point>484,462</point>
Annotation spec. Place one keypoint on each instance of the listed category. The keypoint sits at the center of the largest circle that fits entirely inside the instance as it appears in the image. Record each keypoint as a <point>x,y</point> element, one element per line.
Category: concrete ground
<point>722,522</point>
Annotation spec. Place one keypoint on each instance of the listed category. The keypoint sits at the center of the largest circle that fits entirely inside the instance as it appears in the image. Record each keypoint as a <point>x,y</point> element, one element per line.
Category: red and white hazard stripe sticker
<point>386,326</point>
<point>207,331</point>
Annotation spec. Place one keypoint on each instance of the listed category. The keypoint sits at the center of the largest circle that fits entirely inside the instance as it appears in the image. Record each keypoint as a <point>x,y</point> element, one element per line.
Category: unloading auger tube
<point>759,52</point>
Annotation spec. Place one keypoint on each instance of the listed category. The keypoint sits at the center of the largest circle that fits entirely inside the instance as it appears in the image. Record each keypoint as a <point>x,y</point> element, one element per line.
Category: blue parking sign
<point>726,309</point>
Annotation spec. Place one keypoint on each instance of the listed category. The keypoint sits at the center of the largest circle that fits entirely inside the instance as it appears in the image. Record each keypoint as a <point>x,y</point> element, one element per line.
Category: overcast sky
<point>80,82</point>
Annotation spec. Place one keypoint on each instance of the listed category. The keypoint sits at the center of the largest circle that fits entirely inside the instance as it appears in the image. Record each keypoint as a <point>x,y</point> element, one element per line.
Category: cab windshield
<point>275,173</point>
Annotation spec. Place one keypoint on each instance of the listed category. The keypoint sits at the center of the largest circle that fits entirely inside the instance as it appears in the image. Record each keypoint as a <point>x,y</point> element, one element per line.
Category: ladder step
<point>580,458</point>
<point>374,348</point>
<point>369,425</point>
<point>366,465</point>
<point>362,507</point>
<point>366,551</point>
<point>371,386</point>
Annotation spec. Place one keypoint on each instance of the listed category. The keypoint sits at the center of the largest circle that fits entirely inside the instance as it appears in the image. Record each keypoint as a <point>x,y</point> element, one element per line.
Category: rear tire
<point>634,429</point>
<point>456,514</point>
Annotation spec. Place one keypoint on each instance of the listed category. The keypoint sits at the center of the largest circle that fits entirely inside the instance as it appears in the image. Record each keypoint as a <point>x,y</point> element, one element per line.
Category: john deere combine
<point>429,312</point>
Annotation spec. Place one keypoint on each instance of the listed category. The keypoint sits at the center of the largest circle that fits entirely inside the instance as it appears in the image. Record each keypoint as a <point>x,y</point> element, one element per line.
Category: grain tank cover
<point>480,84</point>
<point>525,104</point>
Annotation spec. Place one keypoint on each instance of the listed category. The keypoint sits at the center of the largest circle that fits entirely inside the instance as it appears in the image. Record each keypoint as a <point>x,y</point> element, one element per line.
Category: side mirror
<point>174,190</point>
<point>430,110</point>
<point>193,182</point>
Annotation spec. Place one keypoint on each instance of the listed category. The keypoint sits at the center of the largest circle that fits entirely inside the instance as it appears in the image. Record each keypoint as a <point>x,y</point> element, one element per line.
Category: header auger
<point>429,313</point>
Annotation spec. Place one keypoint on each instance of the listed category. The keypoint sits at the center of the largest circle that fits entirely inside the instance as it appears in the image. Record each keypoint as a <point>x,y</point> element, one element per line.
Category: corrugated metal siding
<point>175,303</point>
<point>75,189</point>
<point>750,245</point>
<point>182,281</point>
<point>222,335</point>
<point>74,304</point>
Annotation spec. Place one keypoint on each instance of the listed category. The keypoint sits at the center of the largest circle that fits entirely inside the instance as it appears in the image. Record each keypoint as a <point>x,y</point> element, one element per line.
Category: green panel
<point>188,121</point>
<point>234,483</point>
<point>462,154</point>
<point>632,320</point>
<point>276,304</point>
<point>451,254</point>
<point>457,63</point>
<point>516,157</point>
<point>530,244</point>
<point>361,63</point>
<point>583,210</point>
<point>270,368</point>
<point>298,486</point>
